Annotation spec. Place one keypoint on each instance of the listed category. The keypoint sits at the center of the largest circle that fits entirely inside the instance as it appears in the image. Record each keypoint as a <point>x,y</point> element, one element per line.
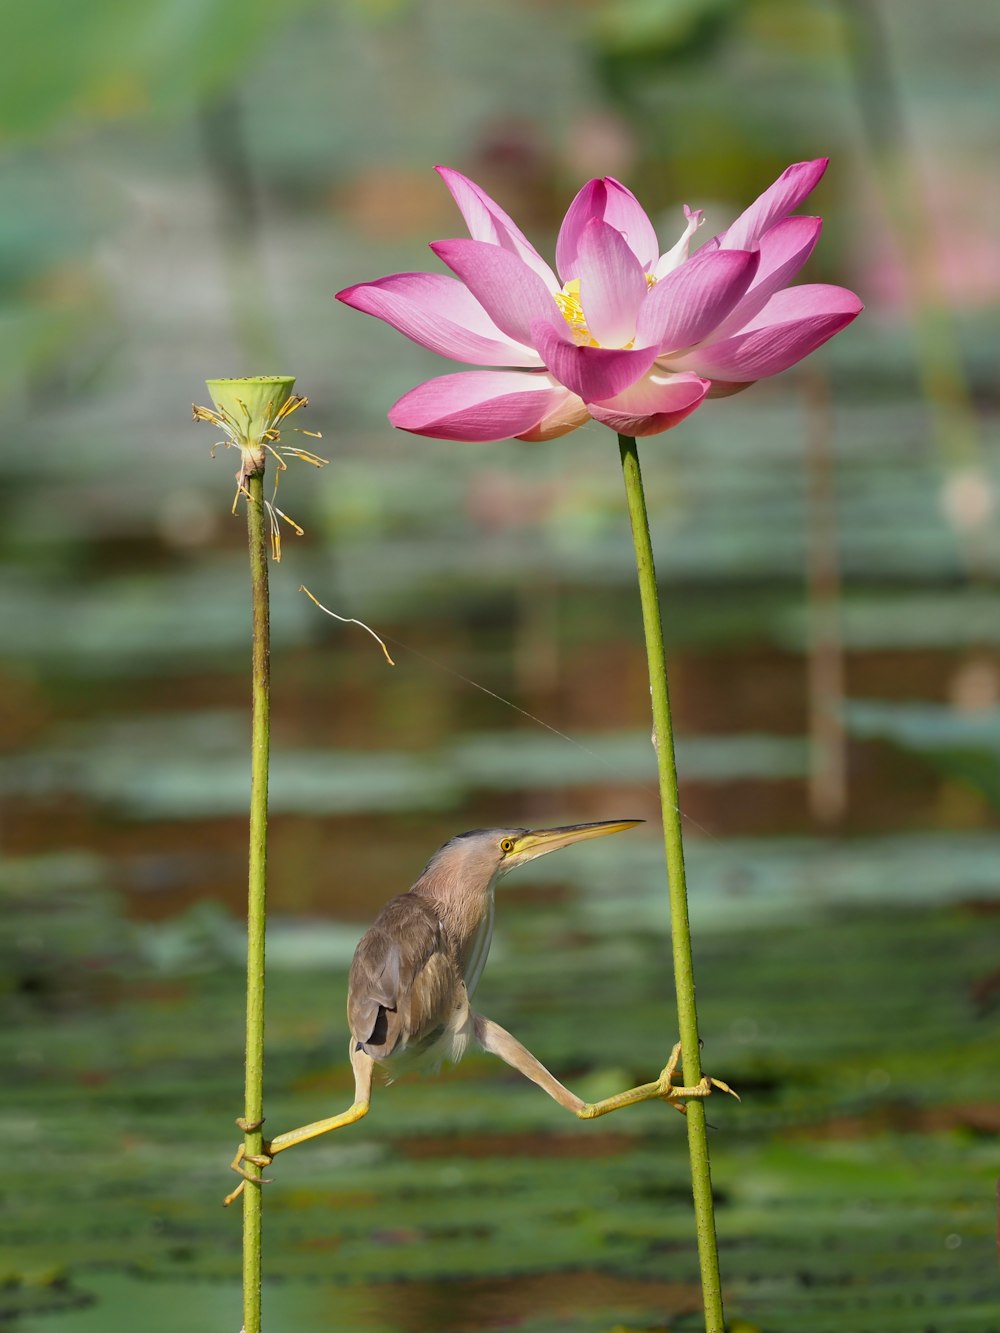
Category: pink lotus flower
<point>634,338</point>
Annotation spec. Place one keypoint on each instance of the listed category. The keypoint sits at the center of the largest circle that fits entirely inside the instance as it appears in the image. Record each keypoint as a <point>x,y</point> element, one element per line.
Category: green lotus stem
<point>680,926</point>
<point>249,411</point>
<point>256,897</point>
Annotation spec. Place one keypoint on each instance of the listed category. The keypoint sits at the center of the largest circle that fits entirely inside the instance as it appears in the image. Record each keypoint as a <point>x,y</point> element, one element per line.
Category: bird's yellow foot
<point>664,1088</point>
<point>260,1160</point>
<point>676,1094</point>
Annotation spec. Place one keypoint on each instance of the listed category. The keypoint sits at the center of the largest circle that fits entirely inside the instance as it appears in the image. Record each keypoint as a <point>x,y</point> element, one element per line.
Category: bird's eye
<point>506,845</point>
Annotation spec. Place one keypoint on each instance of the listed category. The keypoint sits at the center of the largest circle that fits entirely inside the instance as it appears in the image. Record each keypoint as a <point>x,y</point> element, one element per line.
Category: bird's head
<point>477,859</point>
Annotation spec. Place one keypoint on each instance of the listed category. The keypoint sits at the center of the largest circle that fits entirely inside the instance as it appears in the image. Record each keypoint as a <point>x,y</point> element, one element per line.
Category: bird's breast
<point>478,950</point>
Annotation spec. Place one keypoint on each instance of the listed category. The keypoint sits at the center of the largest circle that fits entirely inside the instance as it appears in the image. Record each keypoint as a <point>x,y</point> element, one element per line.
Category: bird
<point>415,972</point>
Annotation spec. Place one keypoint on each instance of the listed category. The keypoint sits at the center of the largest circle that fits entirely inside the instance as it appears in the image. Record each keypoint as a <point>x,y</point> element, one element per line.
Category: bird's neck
<point>459,910</point>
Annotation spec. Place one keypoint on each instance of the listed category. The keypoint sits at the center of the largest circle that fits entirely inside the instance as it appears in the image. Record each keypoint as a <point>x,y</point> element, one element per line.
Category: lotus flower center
<point>571,308</point>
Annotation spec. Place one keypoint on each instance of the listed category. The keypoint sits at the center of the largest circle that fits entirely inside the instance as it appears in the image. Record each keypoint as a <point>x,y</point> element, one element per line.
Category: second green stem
<point>256,900</point>
<point>687,1015</point>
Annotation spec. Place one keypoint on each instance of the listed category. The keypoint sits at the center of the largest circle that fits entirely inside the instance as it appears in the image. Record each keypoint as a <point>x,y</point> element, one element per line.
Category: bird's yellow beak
<point>538,842</point>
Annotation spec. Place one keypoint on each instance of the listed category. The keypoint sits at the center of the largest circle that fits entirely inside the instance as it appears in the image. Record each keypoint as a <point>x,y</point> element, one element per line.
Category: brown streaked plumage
<point>406,983</point>
<point>417,968</point>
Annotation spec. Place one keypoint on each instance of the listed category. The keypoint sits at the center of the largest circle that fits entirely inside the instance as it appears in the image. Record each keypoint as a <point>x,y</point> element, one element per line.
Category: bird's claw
<point>664,1088</point>
<point>675,1094</point>
<point>259,1160</point>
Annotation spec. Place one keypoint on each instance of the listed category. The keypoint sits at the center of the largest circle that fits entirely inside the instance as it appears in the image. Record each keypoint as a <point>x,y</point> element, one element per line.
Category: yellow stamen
<point>568,301</point>
<point>305,455</point>
<point>239,429</point>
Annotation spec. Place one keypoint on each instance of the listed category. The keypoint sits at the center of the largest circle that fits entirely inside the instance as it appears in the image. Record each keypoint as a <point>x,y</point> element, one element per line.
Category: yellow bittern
<point>417,967</point>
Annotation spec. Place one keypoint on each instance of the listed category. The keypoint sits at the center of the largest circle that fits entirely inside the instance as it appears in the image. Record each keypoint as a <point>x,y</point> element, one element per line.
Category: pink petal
<point>487,221</point>
<point>612,284</point>
<point>688,303</point>
<point>777,201</point>
<point>512,294</point>
<point>608,201</point>
<point>783,251</point>
<point>659,400</point>
<point>678,252</point>
<point>728,388</point>
<point>439,313</point>
<point>793,323</point>
<point>478,405</point>
<point>569,414</point>
<point>594,373</point>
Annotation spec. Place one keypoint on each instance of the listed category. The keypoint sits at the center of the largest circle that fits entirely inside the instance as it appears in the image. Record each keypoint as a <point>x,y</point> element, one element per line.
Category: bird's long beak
<point>537,842</point>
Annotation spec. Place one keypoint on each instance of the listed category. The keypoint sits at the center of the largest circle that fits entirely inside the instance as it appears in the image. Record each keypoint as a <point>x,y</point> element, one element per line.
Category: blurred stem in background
<point>825,638</point>
<point>230,170</point>
<point>967,497</point>
<point>680,927</point>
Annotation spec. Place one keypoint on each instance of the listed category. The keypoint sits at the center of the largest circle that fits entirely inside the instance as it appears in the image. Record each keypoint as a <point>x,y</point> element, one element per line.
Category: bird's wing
<point>404,979</point>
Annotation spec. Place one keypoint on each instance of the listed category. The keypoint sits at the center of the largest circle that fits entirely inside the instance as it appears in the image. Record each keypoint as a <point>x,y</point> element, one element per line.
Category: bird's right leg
<point>363,1066</point>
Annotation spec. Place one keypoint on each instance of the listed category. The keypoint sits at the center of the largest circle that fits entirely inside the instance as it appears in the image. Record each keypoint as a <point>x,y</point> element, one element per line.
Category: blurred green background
<point>184,186</point>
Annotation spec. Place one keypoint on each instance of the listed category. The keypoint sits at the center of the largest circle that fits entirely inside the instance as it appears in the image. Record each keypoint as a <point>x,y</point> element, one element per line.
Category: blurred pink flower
<point>626,335</point>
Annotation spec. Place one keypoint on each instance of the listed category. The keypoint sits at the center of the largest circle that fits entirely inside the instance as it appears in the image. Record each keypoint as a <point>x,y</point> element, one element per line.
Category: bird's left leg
<point>495,1039</point>
<point>498,1041</point>
<point>363,1065</point>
